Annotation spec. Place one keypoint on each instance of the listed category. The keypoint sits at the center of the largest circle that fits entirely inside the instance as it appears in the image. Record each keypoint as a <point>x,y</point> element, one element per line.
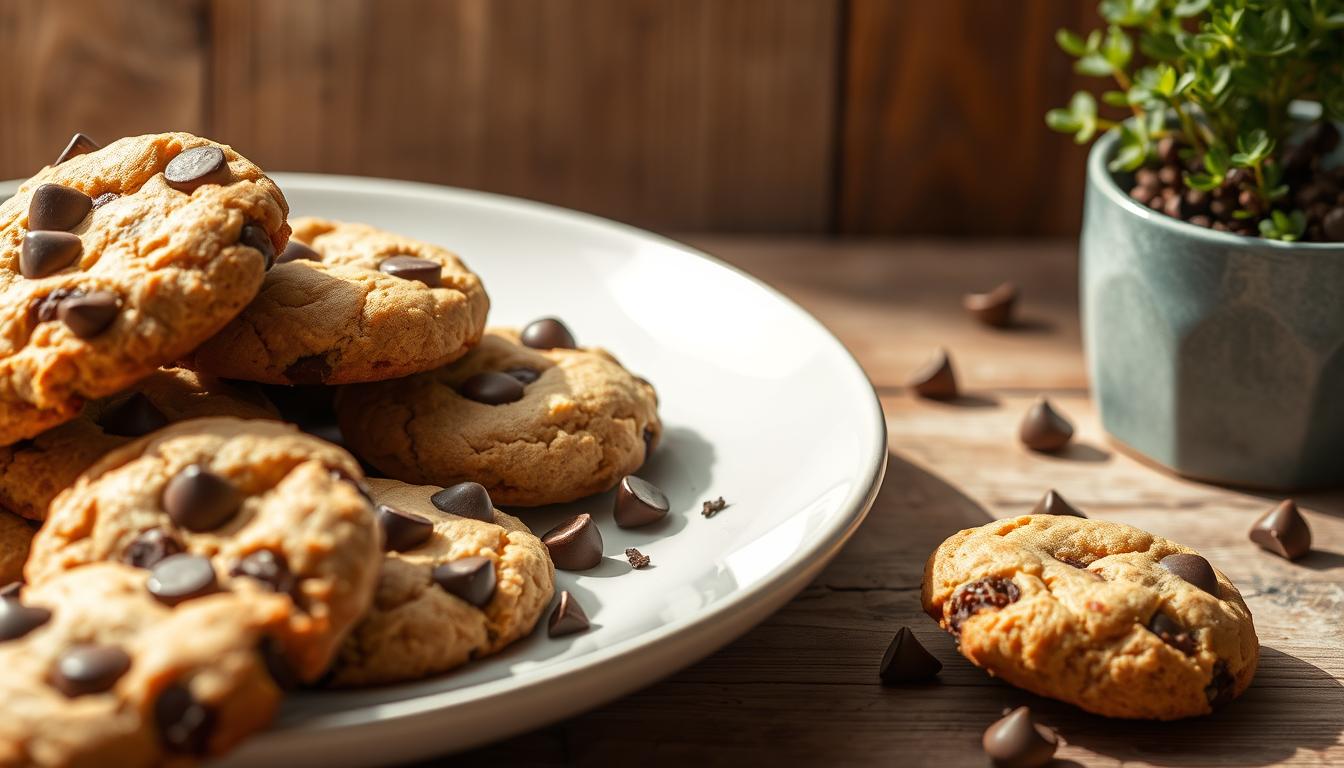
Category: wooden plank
<point>943,124</point>
<point>713,114</point>
<point>109,68</point>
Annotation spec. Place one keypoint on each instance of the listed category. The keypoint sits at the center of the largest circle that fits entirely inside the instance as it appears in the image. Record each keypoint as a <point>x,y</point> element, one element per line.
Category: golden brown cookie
<point>351,303</point>
<point>1102,615</point>
<point>118,261</point>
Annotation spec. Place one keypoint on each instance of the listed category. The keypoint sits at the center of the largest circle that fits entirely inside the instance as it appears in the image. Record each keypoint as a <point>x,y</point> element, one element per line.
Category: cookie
<point>274,510</point>
<point>1102,615</point>
<point>466,586</point>
<point>33,471</point>
<point>16,536</point>
<point>95,670</point>
<point>351,303</point>
<point>534,426</point>
<point>119,261</point>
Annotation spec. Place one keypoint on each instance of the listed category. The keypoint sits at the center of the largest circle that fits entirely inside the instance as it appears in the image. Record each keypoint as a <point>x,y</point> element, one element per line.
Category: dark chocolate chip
<point>403,530</point>
<point>151,547</point>
<point>1044,429</point>
<point>45,309</point>
<point>200,500</point>
<point>567,618</point>
<point>492,388</point>
<point>46,253</point>
<point>254,236</point>
<point>1283,531</point>
<point>79,145</point>
<point>524,376</point>
<point>1172,633</point>
<point>57,207</point>
<point>992,592</point>
<point>135,416</point>
<point>296,251</point>
<point>85,669</point>
<point>12,590</point>
<point>994,309</point>
<point>547,333</point>
<point>17,619</point>
<point>638,560</point>
<point>273,656</point>
<point>639,502</point>
<point>1221,686</point>
<point>412,268</point>
<point>269,568</point>
<point>907,661</point>
<point>308,371</point>
<point>1193,569</point>
<point>471,578</point>
<point>575,544</point>
<point>179,578</point>
<point>1018,741</point>
<point>184,722</point>
<point>1052,503</point>
<point>104,199</point>
<point>466,500</point>
<point>196,166</point>
<point>90,314</point>
<point>936,380</point>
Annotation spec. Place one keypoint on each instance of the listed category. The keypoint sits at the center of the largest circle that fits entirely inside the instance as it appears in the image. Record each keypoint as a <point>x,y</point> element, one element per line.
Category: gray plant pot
<point>1218,356</point>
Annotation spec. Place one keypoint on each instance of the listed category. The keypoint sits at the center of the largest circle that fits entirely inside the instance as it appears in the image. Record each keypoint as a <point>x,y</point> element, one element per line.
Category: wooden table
<point>802,688</point>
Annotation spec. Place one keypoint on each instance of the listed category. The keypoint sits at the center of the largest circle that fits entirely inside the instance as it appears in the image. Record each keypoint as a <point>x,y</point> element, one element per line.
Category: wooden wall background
<point>853,117</point>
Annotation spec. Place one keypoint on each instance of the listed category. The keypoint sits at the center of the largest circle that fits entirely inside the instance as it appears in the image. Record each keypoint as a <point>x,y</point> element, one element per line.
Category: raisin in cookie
<point>16,537</point>
<point>533,425</point>
<point>351,303</point>
<point>273,509</point>
<point>33,471</point>
<point>1102,615</point>
<point>95,669</point>
<point>461,580</point>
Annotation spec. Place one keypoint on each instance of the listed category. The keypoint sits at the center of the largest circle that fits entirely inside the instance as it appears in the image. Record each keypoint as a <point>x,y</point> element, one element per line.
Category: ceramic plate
<point>761,405</point>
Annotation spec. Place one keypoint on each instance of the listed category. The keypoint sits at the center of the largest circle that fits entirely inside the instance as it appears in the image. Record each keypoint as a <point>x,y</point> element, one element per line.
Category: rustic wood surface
<point>802,688</point>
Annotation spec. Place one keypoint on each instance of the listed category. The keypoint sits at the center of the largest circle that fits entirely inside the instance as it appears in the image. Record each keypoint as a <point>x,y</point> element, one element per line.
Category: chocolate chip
<point>638,560</point>
<point>57,207</point>
<point>713,507</point>
<point>547,333</point>
<point>104,199</point>
<point>471,578</point>
<point>273,656</point>
<point>151,547</point>
<point>1072,561</point>
<point>1193,569</point>
<point>79,145</point>
<point>936,380</point>
<point>135,416</point>
<point>906,660</point>
<point>992,592</point>
<point>85,669</point>
<point>639,502</point>
<point>1044,429</point>
<point>308,371</point>
<point>179,578</point>
<point>1054,504</point>
<point>524,376</point>
<point>1018,741</point>
<point>89,315</point>
<point>575,544</point>
<point>492,388</point>
<point>296,251</point>
<point>45,308</point>
<point>46,253</point>
<point>184,722</point>
<point>403,530</point>
<point>567,618</point>
<point>269,568</point>
<point>411,268</point>
<point>1283,531</point>
<point>1172,633</point>
<point>254,236</point>
<point>11,591</point>
<point>17,619</point>
<point>994,309</point>
<point>200,500</point>
<point>1221,686</point>
<point>196,166</point>
<point>468,499</point>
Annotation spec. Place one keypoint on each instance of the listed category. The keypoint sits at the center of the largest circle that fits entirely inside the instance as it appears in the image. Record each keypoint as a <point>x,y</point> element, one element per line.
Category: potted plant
<point>1213,235</point>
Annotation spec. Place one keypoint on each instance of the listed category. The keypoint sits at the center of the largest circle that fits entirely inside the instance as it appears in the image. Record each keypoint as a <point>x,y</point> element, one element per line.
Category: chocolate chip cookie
<point>1102,615</point>
<point>120,260</point>
<point>16,536</point>
<point>351,303</point>
<point>272,510</point>
<point>97,670</point>
<point>461,580</point>
<point>33,471</point>
<point>535,424</point>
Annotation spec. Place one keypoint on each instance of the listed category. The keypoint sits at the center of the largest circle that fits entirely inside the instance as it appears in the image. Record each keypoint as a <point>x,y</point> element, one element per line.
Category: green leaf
<point>1070,42</point>
<point>1184,9</point>
<point>1117,49</point>
<point>1094,65</point>
<point>1203,181</point>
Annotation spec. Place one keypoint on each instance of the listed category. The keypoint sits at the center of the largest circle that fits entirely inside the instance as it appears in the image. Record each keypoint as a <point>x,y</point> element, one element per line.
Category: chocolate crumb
<point>637,559</point>
<point>992,593</point>
<point>712,508</point>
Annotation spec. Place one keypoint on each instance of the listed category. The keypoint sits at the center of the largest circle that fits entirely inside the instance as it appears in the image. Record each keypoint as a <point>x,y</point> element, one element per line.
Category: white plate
<point>761,405</point>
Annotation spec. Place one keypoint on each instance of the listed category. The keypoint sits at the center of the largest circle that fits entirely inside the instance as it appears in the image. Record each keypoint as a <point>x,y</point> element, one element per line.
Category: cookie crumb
<point>712,508</point>
<point>637,559</point>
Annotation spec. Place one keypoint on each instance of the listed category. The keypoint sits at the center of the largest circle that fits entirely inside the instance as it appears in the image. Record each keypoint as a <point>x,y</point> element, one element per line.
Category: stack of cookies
<point>163,318</point>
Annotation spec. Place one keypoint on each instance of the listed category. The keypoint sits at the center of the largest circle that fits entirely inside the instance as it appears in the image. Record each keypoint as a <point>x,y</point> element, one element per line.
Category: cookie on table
<point>1102,615</point>
<point>96,670</point>
<point>118,261</point>
<point>351,303</point>
<point>33,471</point>
<point>16,537</point>
<point>533,425</point>
<point>273,510</point>
<point>461,584</point>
